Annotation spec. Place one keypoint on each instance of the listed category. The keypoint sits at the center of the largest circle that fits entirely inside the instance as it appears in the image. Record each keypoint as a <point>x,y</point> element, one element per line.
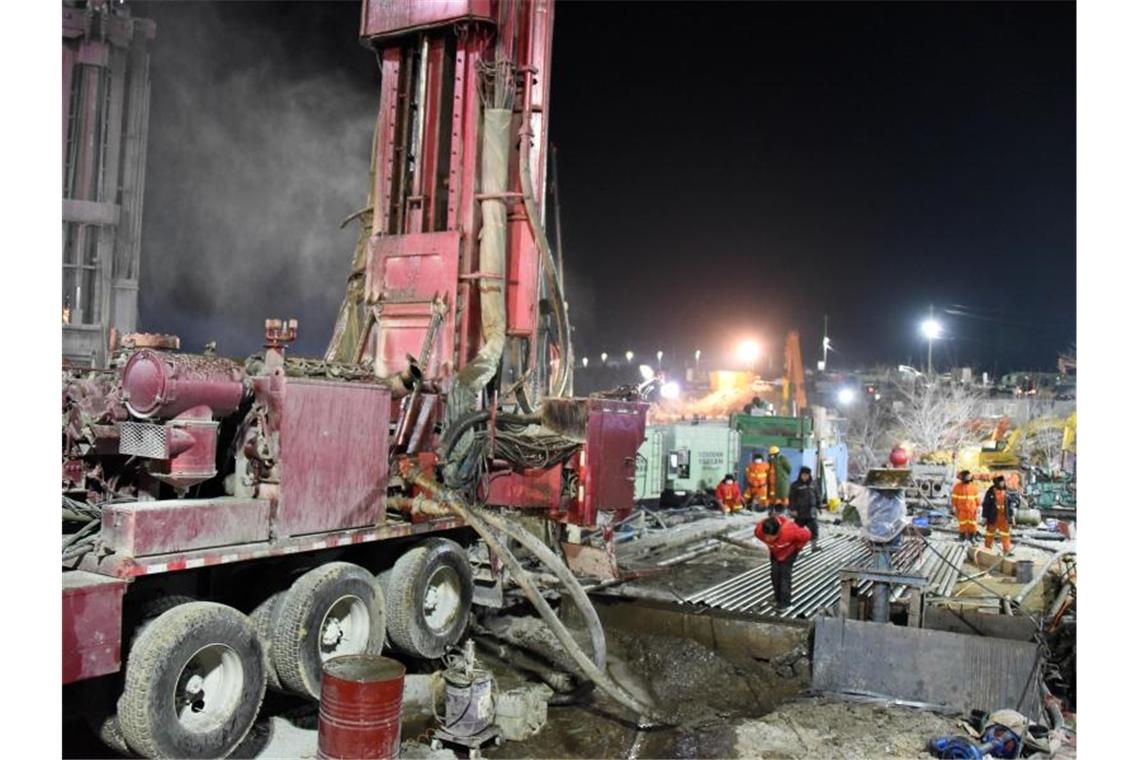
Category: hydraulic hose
<point>550,268</point>
<point>456,429</point>
<point>591,670</point>
<point>543,554</point>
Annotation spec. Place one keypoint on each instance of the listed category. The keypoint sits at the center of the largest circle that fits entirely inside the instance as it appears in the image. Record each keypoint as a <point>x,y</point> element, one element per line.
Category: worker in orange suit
<point>728,495</point>
<point>995,511</point>
<point>756,495</point>
<point>779,479</point>
<point>964,500</point>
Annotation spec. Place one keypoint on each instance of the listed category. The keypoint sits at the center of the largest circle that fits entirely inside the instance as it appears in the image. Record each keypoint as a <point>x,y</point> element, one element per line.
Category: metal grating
<point>143,439</point>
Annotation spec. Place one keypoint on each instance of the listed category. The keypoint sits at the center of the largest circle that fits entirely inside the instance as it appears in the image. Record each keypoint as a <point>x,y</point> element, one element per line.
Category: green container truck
<point>677,461</point>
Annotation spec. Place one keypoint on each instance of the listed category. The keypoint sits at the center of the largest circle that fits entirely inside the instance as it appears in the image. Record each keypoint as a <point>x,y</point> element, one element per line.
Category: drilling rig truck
<point>230,525</point>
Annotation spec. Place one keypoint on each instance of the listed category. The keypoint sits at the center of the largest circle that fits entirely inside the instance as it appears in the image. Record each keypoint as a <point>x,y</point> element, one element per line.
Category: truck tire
<point>429,598</point>
<point>195,679</point>
<point>333,610</point>
<point>98,706</point>
<point>264,617</point>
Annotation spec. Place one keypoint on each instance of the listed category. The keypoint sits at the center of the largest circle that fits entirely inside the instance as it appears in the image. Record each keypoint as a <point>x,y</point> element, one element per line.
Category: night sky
<point>726,170</point>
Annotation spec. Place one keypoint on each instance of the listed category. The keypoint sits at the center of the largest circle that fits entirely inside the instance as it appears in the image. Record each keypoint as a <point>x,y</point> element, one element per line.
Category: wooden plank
<point>963,672</point>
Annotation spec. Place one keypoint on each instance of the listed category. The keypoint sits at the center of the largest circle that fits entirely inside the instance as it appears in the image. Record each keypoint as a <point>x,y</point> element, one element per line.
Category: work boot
<point>814,546</point>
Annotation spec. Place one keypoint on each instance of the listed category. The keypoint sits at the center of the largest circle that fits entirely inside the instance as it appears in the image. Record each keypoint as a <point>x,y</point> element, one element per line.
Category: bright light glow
<point>660,353</point>
<point>826,343</point>
<point>585,362</point>
<point>646,372</point>
<point>821,366</point>
<point>670,390</point>
<point>629,356</point>
<point>846,396</point>
<point>748,351</point>
<point>697,354</point>
<point>604,357</point>
<point>878,397</point>
<point>931,330</point>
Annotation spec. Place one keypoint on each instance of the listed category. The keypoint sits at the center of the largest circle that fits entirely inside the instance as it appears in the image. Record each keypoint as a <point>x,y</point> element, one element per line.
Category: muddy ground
<point>701,692</point>
<point>724,708</point>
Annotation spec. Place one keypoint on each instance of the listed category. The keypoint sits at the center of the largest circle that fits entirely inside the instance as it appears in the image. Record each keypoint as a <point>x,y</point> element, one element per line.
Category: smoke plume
<point>260,134</point>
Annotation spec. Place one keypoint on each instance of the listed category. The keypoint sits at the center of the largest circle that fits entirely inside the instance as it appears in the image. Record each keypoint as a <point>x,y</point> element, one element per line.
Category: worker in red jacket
<point>784,540</point>
<point>728,495</point>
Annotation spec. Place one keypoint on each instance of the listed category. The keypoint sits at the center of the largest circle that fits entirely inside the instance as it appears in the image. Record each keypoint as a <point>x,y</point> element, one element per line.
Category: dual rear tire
<point>198,671</point>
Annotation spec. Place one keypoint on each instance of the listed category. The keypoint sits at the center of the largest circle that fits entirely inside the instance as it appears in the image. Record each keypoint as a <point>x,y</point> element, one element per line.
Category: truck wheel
<point>429,597</point>
<point>334,610</point>
<point>98,706</point>
<point>194,682</point>
<point>263,617</point>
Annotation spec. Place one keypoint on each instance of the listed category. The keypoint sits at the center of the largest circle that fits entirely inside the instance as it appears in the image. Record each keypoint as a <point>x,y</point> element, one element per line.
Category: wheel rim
<point>442,599</point>
<point>209,688</point>
<point>345,628</point>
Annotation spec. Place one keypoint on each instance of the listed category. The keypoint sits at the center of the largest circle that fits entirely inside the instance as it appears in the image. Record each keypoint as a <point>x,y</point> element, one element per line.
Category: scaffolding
<point>106,97</point>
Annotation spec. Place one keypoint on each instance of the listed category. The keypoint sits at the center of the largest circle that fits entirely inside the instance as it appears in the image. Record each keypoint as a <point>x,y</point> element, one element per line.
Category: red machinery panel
<point>406,273</point>
<point>334,456</point>
<point>607,463</point>
<point>384,17</point>
<point>530,489</point>
<point>143,528</point>
<point>92,625</point>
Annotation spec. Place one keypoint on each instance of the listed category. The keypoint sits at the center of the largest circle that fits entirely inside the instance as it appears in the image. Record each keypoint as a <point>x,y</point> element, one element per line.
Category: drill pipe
<point>809,568</point>
<point>748,580</point>
<point>813,576</point>
<point>745,585</point>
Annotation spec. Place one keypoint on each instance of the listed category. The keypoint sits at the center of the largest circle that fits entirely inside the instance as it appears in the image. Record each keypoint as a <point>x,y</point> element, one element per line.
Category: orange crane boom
<point>793,376</point>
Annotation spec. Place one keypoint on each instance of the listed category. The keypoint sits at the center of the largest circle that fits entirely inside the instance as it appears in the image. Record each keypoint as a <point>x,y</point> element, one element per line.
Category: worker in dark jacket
<point>784,540</point>
<point>996,511</point>
<point>803,500</point>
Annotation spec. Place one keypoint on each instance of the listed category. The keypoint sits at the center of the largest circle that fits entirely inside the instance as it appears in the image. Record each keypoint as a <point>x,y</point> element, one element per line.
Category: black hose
<point>456,430</point>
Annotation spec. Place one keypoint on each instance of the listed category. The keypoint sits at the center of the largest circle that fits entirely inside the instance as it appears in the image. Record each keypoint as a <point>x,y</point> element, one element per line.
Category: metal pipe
<point>810,575</point>
<point>1059,602</point>
<point>819,589</point>
<point>815,586</point>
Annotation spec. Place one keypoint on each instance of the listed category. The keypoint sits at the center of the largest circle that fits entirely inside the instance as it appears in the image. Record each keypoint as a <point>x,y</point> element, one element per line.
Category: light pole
<point>932,331</point>
<point>697,356</point>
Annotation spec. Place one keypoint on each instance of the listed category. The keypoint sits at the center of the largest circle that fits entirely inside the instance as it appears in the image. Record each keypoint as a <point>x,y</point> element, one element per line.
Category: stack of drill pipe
<point>732,588</point>
<point>815,578</point>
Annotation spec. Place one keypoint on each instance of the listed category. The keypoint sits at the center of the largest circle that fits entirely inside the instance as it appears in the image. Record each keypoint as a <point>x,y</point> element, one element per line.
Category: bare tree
<point>868,437</point>
<point>1042,444</point>
<point>935,416</point>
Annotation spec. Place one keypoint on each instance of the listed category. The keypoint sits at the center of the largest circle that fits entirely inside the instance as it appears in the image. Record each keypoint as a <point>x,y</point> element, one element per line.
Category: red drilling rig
<point>230,525</point>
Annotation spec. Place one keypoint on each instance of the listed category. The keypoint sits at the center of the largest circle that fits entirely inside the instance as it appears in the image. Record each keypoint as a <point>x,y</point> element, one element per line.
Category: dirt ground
<point>820,728</point>
<point>725,709</point>
<point>703,694</point>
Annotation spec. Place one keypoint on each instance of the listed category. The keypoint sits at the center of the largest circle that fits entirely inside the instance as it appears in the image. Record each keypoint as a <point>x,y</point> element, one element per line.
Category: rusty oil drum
<point>361,696</point>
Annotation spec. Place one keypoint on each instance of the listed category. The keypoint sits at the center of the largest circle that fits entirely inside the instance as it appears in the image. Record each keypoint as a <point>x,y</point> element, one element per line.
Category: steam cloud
<point>259,148</point>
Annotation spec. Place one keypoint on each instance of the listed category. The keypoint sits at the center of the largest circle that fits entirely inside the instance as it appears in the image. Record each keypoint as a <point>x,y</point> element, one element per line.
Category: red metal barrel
<point>361,696</point>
